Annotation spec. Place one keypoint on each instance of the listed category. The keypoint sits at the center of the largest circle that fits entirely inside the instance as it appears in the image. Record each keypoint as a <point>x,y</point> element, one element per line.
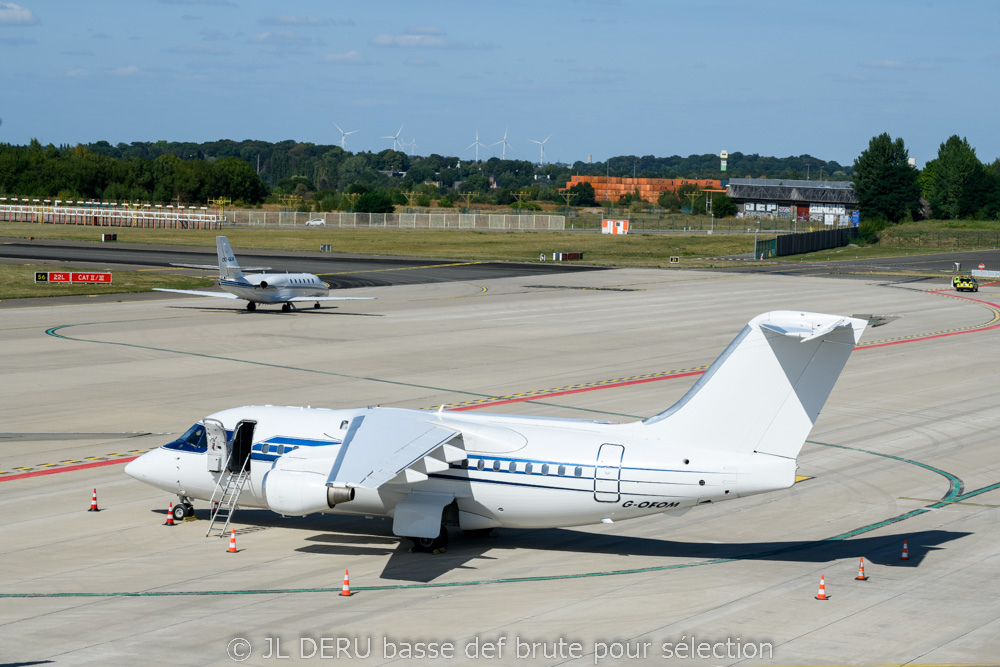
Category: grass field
<point>652,250</point>
<point>17,281</point>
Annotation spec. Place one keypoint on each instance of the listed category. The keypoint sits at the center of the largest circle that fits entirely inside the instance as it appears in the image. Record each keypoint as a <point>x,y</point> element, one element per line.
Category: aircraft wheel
<point>316,305</point>
<point>286,307</point>
<point>431,544</point>
<point>188,509</point>
<point>180,512</point>
<point>251,306</point>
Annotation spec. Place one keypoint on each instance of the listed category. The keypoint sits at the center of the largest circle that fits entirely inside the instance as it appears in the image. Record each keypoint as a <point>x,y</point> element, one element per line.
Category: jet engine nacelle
<point>298,493</point>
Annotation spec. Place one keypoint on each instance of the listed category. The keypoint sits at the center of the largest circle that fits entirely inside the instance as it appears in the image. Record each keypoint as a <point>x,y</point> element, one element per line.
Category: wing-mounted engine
<point>296,485</point>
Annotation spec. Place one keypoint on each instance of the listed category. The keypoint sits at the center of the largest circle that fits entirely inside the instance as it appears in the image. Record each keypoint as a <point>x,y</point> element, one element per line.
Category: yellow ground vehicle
<point>965,284</point>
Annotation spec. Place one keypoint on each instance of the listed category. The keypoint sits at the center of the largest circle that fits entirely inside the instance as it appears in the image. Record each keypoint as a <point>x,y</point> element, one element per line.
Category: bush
<point>445,202</point>
<point>868,230</point>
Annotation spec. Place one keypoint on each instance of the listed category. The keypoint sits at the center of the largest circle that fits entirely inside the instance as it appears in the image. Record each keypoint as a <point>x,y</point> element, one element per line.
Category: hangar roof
<point>820,192</point>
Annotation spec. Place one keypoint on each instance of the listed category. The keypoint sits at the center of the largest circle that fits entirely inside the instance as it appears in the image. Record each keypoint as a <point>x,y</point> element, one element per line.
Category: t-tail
<point>229,268</point>
<point>764,393</point>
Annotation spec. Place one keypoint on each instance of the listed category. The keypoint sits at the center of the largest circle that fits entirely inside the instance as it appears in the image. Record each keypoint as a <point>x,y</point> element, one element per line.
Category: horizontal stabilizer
<point>215,267</point>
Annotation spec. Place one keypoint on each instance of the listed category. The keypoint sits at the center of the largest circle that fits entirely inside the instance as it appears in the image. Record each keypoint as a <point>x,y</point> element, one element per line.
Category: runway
<point>903,450</point>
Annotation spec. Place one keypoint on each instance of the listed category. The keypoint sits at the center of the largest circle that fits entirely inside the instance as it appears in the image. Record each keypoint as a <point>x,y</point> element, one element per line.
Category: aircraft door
<point>218,446</point>
<point>607,473</point>
<point>241,445</point>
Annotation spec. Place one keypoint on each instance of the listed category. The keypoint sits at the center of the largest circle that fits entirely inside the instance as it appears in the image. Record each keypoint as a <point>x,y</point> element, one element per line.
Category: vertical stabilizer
<point>229,268</point>
<point>766,390</point>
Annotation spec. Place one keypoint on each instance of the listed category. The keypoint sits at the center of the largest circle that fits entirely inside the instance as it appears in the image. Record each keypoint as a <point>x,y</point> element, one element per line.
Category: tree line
<point>954,185</point>
<point>326,177</point>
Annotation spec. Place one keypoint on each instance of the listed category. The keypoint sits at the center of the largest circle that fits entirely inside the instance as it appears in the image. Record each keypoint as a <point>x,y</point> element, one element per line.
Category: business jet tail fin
<point>229,268</point>
<point>764,393</point>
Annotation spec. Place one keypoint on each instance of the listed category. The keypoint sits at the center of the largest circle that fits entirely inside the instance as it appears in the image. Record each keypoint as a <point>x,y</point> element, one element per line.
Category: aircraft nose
<point>143,467</point>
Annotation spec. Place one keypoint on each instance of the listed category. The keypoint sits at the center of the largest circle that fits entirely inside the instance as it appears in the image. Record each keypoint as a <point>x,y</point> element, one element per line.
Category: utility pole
<point>351,197</point>
<point>411,197</point>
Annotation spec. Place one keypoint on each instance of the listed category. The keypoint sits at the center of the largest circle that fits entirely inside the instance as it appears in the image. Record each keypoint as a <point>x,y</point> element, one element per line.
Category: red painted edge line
<point>612,385</point>
<point>52,471</point>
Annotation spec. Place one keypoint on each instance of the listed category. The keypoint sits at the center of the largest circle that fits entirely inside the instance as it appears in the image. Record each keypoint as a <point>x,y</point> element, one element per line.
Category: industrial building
<point>832,203</point>
<point>614,188</point>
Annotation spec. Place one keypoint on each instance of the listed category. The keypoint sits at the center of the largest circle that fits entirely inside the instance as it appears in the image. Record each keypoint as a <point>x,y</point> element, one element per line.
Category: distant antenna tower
<point>541,149</point>
<point>343,136</point>
<point>477,144</point>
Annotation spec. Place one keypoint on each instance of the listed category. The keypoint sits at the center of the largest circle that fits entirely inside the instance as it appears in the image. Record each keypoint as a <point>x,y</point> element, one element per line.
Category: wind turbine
<point>395,138</point>
<point>503,151</point>
<point>477,145</point>
<point>343,136</point>
<point>413,144</point>
<point>541,149</point>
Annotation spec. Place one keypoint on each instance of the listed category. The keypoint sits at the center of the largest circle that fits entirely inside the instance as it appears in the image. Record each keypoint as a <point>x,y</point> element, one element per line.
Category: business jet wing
<point>331,298</point>
<point>215,267</point>
<point>223,295</point>
<point>393,446</point>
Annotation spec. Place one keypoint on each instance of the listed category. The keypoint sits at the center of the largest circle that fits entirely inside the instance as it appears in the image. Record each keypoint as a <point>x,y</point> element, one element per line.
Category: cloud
<point>218,3</point>
<point>198,50</point>
<point>211,34</point>
<point>352,57</point>
<point>292,19</point>
<point>283,38</point>
<point>424,37</point>
<point>421,62</point>
<point>131,70</point>
<point>16,41</point>
<point>77,72</point>
<point>13,14</point>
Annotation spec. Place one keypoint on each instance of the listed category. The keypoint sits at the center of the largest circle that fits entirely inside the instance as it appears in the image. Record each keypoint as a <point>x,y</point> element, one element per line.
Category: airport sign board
<point>72,277</point>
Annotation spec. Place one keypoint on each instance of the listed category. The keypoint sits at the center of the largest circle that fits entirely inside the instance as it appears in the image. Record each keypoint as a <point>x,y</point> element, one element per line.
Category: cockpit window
<point>193,440</point>
<point>195,436</point>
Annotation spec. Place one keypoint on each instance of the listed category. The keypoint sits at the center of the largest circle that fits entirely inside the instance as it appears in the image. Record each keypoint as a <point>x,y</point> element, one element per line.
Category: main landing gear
<point>251,306</point>
<point>286,307</point>
<point>434,545</point>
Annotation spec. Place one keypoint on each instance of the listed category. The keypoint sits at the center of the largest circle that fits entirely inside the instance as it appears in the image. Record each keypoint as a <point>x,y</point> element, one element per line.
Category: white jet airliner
<point>284,288</point>
<point>735,433</point>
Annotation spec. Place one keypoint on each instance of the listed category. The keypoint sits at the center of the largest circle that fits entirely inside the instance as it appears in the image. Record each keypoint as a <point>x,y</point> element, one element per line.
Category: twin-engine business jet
<point>284,288</point>
<point>736,432</point>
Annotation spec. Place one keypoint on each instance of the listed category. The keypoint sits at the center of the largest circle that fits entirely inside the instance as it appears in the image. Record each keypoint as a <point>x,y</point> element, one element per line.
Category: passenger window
<point>527,467</point>
<point>545,468</point>
<point>496,465</point>
<point>512,467</point>
<point>465,464</point>
<point>579,471</point>
<point>562,470</point>
<point>480,464</point>
<point>281,450</point>
<point>265,448</point>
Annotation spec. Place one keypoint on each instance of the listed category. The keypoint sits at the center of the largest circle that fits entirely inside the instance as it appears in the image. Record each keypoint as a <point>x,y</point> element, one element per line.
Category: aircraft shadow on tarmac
<point>356,536</point>
<point>263,311</point>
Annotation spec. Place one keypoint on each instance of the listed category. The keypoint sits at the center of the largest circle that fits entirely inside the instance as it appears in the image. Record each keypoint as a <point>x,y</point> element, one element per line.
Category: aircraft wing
<point>330,298</point>
<point>223,295</point>
<point>393,446</point>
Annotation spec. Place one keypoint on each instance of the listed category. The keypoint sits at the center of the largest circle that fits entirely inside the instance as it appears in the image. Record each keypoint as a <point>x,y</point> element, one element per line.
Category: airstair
<point>227,494</point>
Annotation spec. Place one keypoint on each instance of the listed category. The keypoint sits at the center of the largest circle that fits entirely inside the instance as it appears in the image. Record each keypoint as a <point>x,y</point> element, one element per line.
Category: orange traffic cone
<point>170,515</point>
<point>347,585</point>
<point>906,552</point>
<point>232,543</point>
<point>93,503</point>
<point>861,571</point>
<point>822,588</point>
